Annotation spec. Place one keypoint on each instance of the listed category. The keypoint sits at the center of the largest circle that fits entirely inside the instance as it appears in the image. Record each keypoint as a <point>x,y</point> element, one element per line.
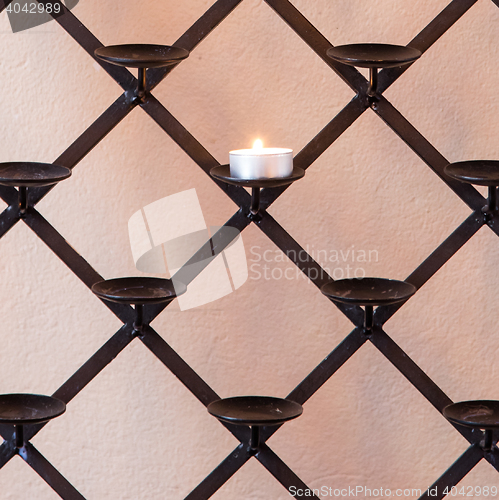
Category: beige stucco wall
<point>135,432</point>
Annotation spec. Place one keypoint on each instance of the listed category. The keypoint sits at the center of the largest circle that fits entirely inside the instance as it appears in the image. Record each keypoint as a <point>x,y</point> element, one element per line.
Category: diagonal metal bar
<point>453,12</point>
<point>198,154</point>
<point>95,364</point>
<point>213,247</point>
<point>9,195</point>
<point>427,37</point>
<point>49,473</point>
<point>312,270</point>
<point>196,34</point>
<point>92,136</point>
<point>88,42</point>
<point>199,388</point>
<point>202,258</point>
<point>6,453</point>
<point>454,473</point>
<point>332,131</point>
<point>207,23</point>
<point>415,375</point>
<point>4,4</point>
<point>328,367</point>
<point>446,250</point>
<point>442,23</point>
<point>410,370</point>
<point>320,143</point>
<point>317,42</point>
<point>97,131</point>
<point>493,223</point>
<point>72,259</point>
<point>191,146</point>
<point>291,248</point>
<point>61,248</point>
<point>219,476</point>
<point>435,261</point>
<point>423,384</point>
<point>8,219</point>
<point>281,471</point>
<point>323,372</point>
<point>7,432</point>
<point>422,147</point>
<point>493,457</point>
<point>88,371</point>
<point>192,381</point>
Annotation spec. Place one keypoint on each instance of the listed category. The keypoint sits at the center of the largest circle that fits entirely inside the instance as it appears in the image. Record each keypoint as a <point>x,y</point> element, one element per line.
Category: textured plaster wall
<point>135,432</point>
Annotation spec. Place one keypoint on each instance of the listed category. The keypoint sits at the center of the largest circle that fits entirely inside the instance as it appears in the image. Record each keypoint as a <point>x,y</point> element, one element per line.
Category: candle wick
<point>258,145</point>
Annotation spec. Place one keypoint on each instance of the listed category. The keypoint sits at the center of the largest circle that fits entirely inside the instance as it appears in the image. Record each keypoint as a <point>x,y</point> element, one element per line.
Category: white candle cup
<point>264,163</point>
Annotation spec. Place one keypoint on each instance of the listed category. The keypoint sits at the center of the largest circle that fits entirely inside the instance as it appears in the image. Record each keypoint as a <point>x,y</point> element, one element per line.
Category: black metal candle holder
<point>222,173</point>
<point>480,173</point>
<point>24,175</point>
<point>478,414</point>
<point>28,409</point>
<point>141,56</point>
<point>256,412</point>
<point>370,293</point>
<point>139,291</point>
<point>373,56</point>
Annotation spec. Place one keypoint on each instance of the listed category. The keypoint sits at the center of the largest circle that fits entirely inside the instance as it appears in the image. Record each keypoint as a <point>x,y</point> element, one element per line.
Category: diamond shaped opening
<point>120,180</point>
<point>151,421</point>
<point>483,474</point>
<point>144,22</point>
<point>238,85</point>
<point>366,411</point>
<point>268,346</point>
<point>19,480</point>
<point>379,22</point>
<point>453,101</point>
<point>455,347</point>
<point>251,482</point>
<point>45,301</point>
<point>366,188</point>
<point>48,75</point>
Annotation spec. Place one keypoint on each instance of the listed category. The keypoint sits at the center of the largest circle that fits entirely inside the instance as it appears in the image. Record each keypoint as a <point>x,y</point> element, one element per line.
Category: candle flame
<point>258,144</point>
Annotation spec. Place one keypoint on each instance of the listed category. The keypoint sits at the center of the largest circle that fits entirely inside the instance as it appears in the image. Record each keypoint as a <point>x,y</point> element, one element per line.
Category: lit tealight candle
<point>260,162</point>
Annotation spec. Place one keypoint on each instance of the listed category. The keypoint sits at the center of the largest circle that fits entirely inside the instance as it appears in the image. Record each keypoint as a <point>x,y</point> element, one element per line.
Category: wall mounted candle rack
<point>136,323</point>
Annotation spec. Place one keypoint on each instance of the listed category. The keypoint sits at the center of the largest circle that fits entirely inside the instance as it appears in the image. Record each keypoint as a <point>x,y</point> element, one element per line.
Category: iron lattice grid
<point>304,159</point>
